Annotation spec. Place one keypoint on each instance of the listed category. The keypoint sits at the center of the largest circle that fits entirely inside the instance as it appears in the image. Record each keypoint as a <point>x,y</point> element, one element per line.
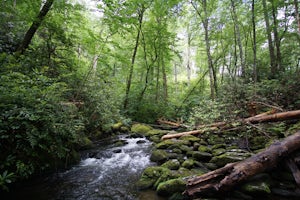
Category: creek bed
<point>107,172</point>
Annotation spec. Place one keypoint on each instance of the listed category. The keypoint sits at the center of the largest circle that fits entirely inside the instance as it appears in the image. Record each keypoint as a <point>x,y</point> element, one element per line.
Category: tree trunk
<point>140,18</point>
<point>295,114</point>
<point>297,14</point>
<point>276,37</point>
<point>254,74</point>
<point>232,174</point>
<point>270,41</point>
<point>238,37</point>
<point>34,27</point>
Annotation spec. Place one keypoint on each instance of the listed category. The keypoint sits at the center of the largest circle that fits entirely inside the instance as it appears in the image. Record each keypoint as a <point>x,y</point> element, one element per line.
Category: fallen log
<point>295,114</point>
<point>195,132</point>
<point>225,178</point>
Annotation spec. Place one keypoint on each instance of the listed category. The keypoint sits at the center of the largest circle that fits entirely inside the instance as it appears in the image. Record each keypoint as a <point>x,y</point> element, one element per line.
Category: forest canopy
<point>71,69</point>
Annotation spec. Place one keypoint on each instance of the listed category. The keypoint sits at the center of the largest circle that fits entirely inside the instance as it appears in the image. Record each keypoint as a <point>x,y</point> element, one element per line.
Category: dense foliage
<point>92,63</point>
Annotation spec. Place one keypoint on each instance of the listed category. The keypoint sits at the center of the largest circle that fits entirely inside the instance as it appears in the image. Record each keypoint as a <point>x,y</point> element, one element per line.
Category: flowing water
<point>108,172</point>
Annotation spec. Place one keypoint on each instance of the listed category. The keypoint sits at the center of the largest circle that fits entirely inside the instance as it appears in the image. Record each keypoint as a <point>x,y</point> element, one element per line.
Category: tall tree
<point>141,11</point>
<point>237,34</point>
<point>270,40</point>
<point>34,27</point>
<point>205,23</point>
<point>254,74</point>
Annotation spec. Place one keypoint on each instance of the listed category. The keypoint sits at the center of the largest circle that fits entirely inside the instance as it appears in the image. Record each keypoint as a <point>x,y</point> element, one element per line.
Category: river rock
<point>170,187</point>
<point>189,163</point>
<point>229,157</point>
<point>173,164</point>
<point>171,144</point>
<point>190,138</point>
<point>201,156</point>
<point>204,148</point>
<point>217,152</point>
<point>150,176</point>
<point>117,150</point>
<point>141,141</point>
<point>140,128</point>
<point>159,155</point>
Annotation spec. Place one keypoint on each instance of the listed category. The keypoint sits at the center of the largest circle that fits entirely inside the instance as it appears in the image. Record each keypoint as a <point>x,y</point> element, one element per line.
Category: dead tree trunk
<point>225,178</point>
<point>295,114</point>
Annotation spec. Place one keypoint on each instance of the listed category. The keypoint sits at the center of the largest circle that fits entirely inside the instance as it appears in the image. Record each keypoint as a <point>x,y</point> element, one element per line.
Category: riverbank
<point>189,156</point>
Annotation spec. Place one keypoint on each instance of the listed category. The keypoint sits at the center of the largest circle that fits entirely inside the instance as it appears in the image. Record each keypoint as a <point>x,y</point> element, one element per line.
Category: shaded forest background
<point>70,70</point>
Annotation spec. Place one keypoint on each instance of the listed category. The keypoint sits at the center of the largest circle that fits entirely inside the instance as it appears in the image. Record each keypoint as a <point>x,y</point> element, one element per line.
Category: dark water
<point>105,173</point>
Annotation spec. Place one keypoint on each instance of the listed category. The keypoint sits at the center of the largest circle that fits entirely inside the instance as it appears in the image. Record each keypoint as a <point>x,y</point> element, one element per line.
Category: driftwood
<point>282,116</point>
<point>225,178</point>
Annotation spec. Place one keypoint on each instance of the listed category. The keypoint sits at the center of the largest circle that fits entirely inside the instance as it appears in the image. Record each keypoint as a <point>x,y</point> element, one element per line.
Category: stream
<point>107,172</point>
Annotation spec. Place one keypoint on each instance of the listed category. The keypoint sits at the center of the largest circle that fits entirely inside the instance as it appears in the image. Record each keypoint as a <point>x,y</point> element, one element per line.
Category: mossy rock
<point>203,148</point>
<point>156,132</point>
<point>172,164</point>
<point>189,164</point>
<point>201,156</point>
<point>217,152</point>
<point>256,188</point>
<point>140,128</point>
<point>178,196</point>
<point>154,138</point>
<point>228,157</point>
<point>218,146</point>
<point>159,156</point>
<point>185,148</point>
<point>170,187</point>
<point>150,176</point>
<point>190,138</point>
<point>293,129</point>
<point>165,176</point>
<point>171,144</point>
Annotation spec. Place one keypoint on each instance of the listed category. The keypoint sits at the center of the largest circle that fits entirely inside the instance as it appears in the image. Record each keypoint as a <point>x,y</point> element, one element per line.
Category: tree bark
<point>270,41</point>
<point>254,74</point>
<point>128,86</point>
<point>238,35</point>
<point>295,114</point>
<point>224,179</point>
<point>34,27</point>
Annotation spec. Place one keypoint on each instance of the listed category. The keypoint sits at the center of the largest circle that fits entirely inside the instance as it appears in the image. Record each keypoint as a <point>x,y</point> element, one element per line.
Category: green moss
<point>170,187</point>
<point>171,144</point>
<point>140,128</point>
<point>159,156</point>
<point>189,163</point>
<point>203,148</point>
<point>172,164</point>
<point>190,138</point>
<point>150,176</point>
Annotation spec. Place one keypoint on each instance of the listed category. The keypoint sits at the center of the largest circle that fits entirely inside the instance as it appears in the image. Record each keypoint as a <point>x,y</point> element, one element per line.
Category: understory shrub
<point>38,131</point>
